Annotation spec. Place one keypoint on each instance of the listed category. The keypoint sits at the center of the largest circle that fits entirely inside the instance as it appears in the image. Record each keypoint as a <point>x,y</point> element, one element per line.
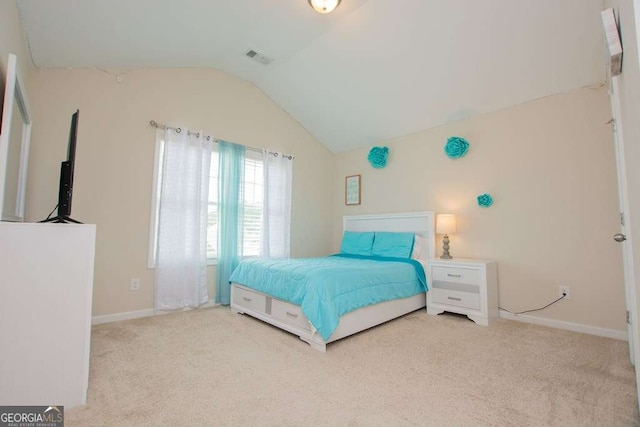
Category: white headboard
<point>421,223</point>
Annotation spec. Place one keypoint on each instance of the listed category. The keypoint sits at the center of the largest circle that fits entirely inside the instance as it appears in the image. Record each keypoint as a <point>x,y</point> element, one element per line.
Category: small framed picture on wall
<point>352,190</point>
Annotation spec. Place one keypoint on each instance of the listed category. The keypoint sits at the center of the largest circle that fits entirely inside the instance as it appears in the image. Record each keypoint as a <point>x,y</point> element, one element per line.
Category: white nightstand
<point>464,286</point>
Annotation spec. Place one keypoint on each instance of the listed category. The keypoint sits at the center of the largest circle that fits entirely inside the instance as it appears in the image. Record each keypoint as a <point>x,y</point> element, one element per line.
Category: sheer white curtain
<point>278,177</point>
<point>180,275</point>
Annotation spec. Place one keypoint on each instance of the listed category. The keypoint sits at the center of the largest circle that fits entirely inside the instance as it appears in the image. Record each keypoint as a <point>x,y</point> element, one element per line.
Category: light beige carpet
<point>213,367</point>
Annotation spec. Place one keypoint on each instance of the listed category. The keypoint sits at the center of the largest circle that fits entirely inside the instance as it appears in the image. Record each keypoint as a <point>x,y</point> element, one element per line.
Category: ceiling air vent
<point>258,57</point>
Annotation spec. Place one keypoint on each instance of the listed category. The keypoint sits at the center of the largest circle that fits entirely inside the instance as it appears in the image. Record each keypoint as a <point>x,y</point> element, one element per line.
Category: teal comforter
<point>326,288</point>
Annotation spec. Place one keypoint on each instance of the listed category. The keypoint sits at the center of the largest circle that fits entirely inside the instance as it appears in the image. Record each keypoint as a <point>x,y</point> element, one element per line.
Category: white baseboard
<point>116,317</point>
<point>575,327</point>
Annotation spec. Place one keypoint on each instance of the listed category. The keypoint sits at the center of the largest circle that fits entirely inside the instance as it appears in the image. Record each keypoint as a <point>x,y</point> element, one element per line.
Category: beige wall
<point>12,41</point>
<point>550,167</point>
<point>114,160</point>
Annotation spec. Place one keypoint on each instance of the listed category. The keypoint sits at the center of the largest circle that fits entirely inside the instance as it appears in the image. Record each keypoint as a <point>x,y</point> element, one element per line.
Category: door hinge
<point>622,219</point>
<point>628,317</point>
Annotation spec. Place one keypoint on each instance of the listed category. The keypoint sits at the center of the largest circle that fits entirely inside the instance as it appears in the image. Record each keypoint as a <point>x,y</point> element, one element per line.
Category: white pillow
<point>418,243</point>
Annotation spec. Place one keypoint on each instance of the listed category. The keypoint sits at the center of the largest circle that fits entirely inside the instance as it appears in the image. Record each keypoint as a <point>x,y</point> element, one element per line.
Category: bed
<point>284,306</point>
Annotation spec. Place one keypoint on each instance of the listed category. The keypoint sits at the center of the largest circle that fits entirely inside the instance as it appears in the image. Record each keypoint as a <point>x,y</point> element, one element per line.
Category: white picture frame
<point>15,137</point>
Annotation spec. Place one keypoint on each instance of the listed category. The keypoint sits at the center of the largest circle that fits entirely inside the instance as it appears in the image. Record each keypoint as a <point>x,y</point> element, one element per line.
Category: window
<point>253,203</point>
<point>253,196</point>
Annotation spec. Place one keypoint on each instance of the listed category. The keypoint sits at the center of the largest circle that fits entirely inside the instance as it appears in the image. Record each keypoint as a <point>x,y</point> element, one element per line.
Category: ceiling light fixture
<point>324,6</point>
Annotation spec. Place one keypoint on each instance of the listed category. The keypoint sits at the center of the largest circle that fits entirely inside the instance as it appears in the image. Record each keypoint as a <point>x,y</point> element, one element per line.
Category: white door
<point>622,236</point>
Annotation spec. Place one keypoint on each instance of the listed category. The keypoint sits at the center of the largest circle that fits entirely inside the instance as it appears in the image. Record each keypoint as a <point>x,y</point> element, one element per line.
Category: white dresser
<point>46,288</point>
<point>463,286</point>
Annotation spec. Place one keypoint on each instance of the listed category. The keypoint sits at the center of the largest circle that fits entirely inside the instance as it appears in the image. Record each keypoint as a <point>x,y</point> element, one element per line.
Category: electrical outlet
<point>565,290</point>
<point>135,284</point>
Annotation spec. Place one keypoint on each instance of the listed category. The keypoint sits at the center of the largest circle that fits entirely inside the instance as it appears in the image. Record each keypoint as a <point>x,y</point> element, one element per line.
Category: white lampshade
<point>324,6</point>
<point>445,224</point>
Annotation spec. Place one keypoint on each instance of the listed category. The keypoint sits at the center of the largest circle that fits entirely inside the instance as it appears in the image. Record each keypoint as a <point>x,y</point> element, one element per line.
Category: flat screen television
<point>65,191</point>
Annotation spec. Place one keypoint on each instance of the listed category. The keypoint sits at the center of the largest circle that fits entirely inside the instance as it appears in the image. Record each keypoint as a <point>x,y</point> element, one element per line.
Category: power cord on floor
<point>564,294</point>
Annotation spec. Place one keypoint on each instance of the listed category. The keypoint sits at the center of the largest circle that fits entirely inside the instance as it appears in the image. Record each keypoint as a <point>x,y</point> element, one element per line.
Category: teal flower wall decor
<point>485,200</point>
<point>456,147</point>
<point>378,157</point>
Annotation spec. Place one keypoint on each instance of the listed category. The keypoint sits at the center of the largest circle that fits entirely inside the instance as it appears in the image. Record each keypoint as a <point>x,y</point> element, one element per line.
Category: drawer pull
<point>295,316</point>
<point>454,298</point>
<point>247,299</point>
<point>454,275</point>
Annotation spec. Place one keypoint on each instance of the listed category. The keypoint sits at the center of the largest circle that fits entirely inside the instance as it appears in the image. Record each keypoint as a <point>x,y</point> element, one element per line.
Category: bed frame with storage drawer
<point>289,316</point>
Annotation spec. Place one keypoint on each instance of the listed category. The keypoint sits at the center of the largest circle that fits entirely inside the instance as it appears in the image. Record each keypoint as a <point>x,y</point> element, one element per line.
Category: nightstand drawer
<point>457,298</point>
<point>455,274</point>
<point>249,299</point>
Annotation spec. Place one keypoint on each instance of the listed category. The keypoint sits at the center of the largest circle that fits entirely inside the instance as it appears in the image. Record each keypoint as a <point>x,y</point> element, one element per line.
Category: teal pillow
<point>355,243</point>
<point>397,245</point>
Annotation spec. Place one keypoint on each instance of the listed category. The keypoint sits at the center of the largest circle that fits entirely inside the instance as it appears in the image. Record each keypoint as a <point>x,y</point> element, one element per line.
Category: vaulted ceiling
<point>370,71</point>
